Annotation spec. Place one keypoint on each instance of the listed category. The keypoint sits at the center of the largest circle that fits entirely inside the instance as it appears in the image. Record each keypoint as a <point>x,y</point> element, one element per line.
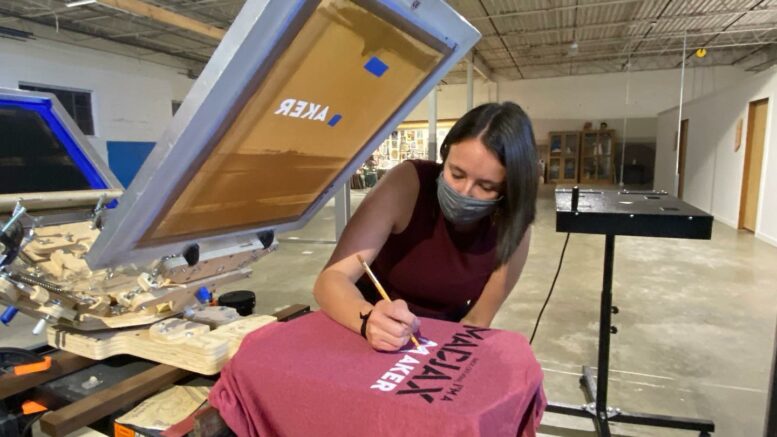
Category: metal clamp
<point>98,212</point>
<point>18,211</point>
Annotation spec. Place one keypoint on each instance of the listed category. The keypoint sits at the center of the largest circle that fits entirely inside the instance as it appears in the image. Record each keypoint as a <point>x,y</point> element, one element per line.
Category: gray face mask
<point>462,210</point>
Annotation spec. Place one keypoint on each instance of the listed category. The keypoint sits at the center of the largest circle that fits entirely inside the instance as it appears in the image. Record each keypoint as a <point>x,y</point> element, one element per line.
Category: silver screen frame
<point>245,55</point>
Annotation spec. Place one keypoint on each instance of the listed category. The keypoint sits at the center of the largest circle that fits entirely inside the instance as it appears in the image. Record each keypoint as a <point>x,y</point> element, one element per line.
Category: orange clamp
<point>40,366</point>
<point>120,430</point>
<point>32,407</point>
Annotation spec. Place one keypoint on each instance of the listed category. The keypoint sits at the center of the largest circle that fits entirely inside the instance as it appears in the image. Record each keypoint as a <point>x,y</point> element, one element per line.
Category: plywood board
<point>203,352</point>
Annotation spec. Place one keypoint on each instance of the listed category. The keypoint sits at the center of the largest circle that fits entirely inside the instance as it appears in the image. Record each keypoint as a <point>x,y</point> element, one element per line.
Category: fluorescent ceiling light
<point>80,3</point>
<point>572,51</point>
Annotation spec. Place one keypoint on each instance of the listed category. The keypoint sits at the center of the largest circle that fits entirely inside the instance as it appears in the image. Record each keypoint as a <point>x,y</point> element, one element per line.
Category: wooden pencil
<point>381,290</point>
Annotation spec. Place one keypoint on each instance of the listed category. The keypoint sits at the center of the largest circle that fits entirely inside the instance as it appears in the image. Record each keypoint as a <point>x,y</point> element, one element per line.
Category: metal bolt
<point>631,215</point>
<point>17,213</point>
<point>690,218</point>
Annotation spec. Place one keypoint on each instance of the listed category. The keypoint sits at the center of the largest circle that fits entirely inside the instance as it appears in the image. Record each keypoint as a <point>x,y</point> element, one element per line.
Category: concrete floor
<point>696,322</point>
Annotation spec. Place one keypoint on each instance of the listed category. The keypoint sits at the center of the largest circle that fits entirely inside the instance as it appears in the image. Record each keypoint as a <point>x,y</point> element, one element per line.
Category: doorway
<point>754,152</point>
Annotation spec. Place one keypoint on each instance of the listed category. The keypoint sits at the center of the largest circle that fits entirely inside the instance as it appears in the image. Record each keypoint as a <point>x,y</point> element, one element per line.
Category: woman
<point>446,241</point>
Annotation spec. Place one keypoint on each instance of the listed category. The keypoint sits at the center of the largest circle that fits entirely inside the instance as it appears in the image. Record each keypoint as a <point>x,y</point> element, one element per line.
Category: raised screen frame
<point>262,29</point>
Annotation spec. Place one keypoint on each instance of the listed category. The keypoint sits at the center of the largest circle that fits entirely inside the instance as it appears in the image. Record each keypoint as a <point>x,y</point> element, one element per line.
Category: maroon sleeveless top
<point>439,271</point>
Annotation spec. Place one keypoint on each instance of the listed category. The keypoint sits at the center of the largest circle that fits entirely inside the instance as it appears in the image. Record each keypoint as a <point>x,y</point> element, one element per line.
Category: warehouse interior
<point>644,95</point>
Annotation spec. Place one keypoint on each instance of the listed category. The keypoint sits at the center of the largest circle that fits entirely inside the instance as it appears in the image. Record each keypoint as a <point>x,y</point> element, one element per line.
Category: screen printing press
<point>295,98</point>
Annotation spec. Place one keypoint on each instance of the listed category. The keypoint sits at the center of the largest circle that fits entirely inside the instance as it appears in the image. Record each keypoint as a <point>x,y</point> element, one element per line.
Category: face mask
<point>462,210</point>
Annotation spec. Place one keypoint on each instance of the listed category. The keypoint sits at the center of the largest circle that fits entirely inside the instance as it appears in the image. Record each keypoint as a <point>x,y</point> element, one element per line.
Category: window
<point>77,103</point>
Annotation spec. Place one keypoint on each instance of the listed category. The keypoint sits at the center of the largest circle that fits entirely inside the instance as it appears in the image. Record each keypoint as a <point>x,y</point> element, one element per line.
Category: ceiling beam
<point>554,9</point>
<point>601,56</point>
<point>629,23</point>
<point>481,67</point>
<point>156,13</point>
<point>763,65</point>
<point>726,27</point>
<point>504,44</point>
<point>74,28</point>
<point>747,35</point>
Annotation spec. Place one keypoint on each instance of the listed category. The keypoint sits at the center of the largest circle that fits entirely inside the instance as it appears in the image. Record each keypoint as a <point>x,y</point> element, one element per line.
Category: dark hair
<point>507,132</point>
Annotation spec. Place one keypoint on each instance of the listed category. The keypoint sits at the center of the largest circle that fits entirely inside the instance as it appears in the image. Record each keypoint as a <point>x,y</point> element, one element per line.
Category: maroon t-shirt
<point>439,271</point>
<point>313,377</point>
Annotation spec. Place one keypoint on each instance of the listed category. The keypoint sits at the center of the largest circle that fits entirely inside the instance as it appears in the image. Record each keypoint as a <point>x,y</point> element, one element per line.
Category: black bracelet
<point>364,318</point>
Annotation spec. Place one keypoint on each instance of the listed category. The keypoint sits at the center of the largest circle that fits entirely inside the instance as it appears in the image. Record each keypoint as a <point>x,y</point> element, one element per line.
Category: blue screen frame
<point>43,108</point>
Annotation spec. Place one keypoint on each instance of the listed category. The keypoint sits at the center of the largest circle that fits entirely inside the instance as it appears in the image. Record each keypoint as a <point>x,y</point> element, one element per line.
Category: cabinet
<point>586,156</point>
<point>597,156</point>
<point>563,157</point>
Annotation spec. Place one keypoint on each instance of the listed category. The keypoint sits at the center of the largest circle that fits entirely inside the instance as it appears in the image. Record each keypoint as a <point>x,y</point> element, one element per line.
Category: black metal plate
<point>635,213</point>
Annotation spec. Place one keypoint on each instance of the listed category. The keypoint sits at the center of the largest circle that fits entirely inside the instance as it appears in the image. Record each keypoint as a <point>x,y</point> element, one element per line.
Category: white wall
<point>714,171</point>
<point>567,102</point>
<point>131,99</point>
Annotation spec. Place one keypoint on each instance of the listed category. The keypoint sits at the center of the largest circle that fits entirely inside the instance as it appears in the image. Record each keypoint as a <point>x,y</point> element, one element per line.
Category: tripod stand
<point>648,214</point>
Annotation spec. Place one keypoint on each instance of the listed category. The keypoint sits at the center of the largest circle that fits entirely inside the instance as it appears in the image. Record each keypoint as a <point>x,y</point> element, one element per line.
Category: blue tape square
<point>335,118</point>
<point>376,66</point>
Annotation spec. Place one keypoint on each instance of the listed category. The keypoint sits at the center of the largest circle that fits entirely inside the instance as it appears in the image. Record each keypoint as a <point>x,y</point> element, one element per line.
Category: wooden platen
<point>176,342</point>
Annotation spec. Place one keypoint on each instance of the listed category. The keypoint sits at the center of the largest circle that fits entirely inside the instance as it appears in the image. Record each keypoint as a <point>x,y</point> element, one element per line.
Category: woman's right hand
<point>390,325</point>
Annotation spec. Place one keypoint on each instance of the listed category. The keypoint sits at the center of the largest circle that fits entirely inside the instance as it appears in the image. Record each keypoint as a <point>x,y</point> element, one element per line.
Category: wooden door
<point>754,152</point>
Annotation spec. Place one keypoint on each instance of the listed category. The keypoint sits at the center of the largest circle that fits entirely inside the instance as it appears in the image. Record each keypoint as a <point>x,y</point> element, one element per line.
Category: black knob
<point>266,238</point>
<point>192,254</point>
<point>615,310</point>
<point>613,329</point>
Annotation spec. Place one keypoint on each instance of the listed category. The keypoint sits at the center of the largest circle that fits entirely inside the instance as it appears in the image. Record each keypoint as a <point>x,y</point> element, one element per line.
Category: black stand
<point>771,413</point>
<point>596,394</point>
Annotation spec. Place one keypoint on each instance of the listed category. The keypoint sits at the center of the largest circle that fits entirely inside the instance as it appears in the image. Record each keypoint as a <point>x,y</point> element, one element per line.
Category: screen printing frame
<point>78,147</point>
<point>244,58</point>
